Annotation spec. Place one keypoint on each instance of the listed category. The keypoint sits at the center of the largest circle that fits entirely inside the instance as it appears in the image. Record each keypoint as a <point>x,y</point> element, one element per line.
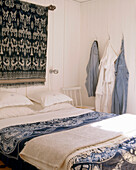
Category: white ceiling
<point>82,0</point>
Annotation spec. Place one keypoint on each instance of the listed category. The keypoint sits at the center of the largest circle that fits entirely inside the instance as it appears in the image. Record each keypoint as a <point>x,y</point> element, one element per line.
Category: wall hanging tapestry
<point>23,42</point>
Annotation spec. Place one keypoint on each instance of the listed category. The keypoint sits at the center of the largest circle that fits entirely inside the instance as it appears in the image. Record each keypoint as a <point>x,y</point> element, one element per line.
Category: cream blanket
<point>52,151</point>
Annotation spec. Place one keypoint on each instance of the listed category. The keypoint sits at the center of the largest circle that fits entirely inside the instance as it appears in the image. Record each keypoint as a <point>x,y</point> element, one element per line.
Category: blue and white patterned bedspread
<point>12,138</point>
<point>117,157</point>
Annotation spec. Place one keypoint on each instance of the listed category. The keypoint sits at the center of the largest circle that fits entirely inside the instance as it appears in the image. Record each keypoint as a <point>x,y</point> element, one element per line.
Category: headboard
<point>23,43</point>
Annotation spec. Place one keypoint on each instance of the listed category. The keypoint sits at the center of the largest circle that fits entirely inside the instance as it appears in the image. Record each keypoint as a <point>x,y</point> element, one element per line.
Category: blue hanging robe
<point>119,96</point>
<point>92,70</point>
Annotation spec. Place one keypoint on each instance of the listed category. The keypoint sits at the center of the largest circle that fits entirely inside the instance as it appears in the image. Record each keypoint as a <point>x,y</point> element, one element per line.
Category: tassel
<point>96,168</point>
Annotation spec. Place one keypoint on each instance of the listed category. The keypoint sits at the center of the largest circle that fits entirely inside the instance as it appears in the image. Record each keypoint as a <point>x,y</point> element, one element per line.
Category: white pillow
<point>47,98</point>
<point>13,99</point>
<point>16,111</point>
<point>56,107</point>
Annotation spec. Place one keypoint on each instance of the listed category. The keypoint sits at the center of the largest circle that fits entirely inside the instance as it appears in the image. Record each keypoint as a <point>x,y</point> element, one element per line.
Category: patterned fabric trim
<point>21,81</point>
<point>11,137</point>
<point>96,158</point>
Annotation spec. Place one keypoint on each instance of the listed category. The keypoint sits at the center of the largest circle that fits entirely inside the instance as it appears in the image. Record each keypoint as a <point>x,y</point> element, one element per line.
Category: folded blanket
<point>52,150</point>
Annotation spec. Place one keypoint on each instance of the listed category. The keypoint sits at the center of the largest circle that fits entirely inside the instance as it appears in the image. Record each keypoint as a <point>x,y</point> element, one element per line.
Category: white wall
<point>72,29</point>
<point>72,43</point>
<point>101,18</point>
<point>63,42</point>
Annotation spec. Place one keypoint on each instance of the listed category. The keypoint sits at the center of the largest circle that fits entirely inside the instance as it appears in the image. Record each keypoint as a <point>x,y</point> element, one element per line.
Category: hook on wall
<point>95,38</point>
<point>108,36</point>
<point>122,35</point>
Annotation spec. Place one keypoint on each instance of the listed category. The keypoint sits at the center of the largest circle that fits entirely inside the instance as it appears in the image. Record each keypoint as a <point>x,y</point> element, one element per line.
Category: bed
<point>54,135</point>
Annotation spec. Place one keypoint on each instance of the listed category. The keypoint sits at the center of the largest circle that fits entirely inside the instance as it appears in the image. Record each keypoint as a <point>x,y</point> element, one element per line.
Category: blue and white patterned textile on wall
<point>23,42</point>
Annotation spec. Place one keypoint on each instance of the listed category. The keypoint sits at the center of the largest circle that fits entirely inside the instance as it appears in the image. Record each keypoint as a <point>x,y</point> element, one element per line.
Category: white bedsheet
<point>43,115</point>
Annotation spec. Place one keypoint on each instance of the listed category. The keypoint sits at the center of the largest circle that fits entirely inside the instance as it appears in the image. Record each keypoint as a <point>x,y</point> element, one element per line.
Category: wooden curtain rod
<point>51,7</point>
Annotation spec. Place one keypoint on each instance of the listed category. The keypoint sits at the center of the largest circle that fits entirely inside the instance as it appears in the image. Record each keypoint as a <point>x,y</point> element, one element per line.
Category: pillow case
<point>13,99</point>
<point>55,107</point>
<point>48,98</point>
<point>15,111</point>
